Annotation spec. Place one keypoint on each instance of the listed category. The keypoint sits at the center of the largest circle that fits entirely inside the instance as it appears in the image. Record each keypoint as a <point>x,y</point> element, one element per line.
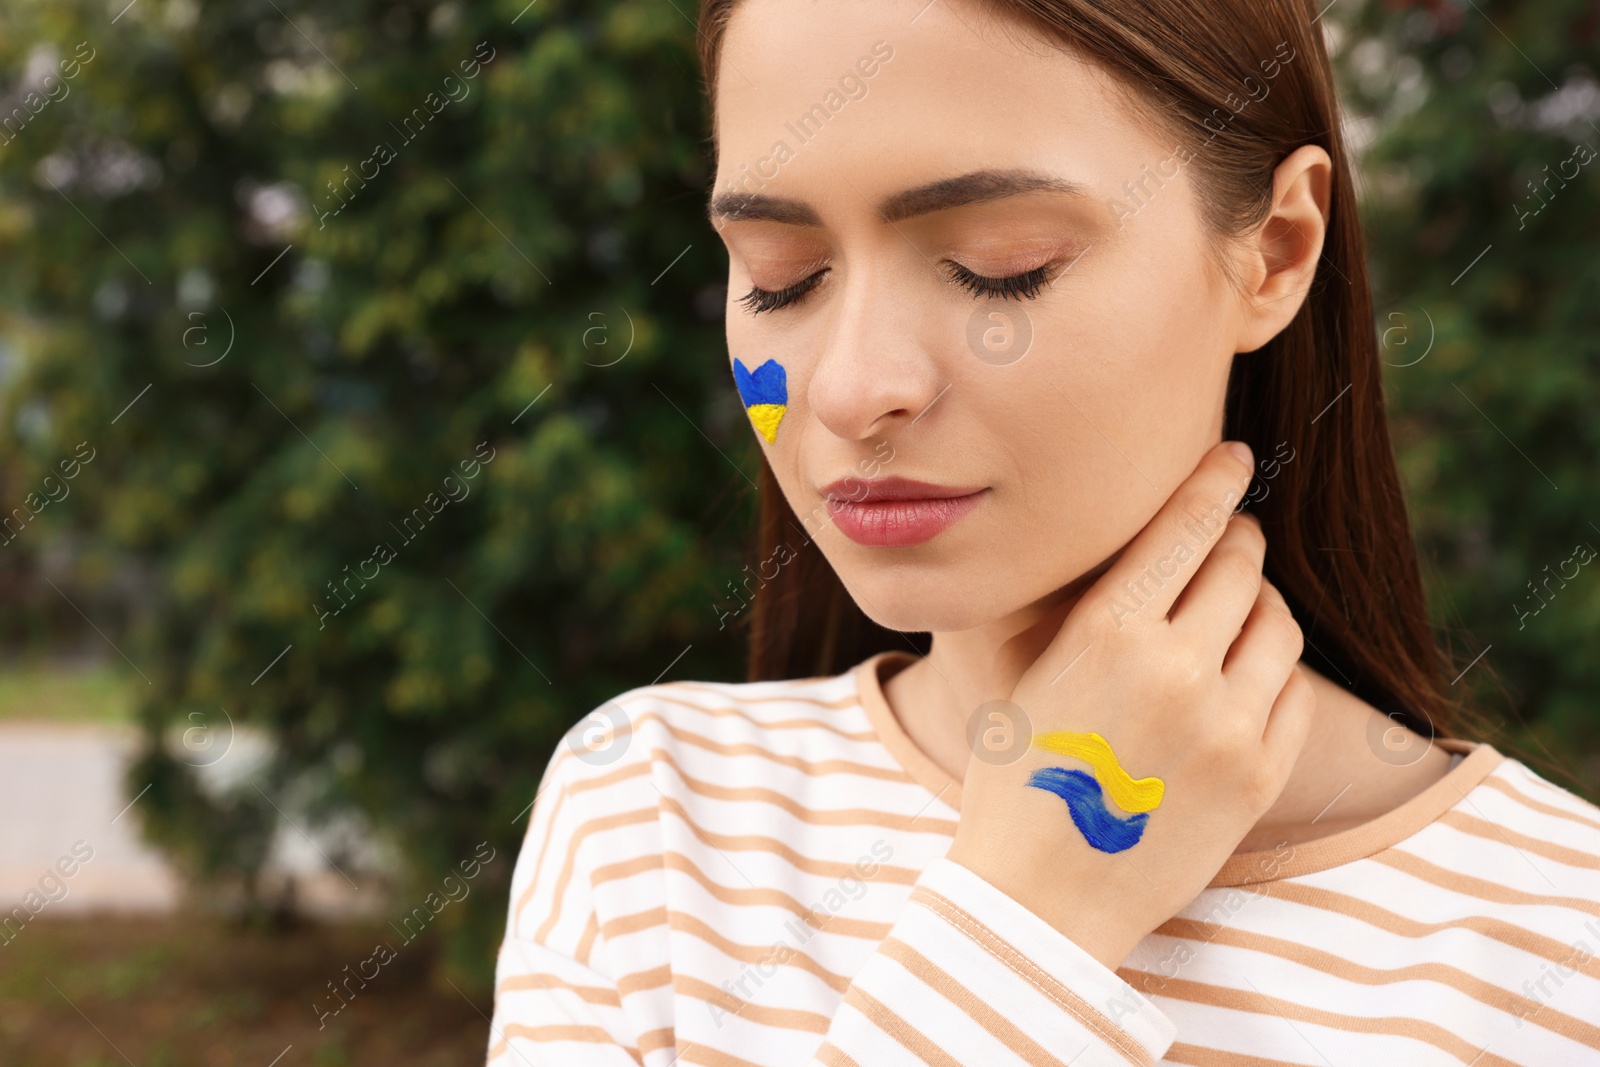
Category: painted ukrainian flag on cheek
<point>765,392</point>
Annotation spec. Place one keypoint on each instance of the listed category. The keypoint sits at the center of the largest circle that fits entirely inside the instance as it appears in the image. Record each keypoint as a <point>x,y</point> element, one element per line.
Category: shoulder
<point>1555,820</point>
<point>636,747</point>
<point>1519,840</point>
<point>618,738</point>
<point>626,775</point>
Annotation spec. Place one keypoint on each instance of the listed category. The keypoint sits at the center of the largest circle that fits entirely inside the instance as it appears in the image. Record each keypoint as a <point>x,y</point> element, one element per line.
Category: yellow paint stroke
<point>766,418</point>
<point>1130,794</point>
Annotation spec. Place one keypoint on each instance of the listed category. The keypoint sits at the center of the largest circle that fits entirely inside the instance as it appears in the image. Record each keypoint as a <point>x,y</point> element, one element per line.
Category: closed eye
<point>758,299</point>
<point>1023,286</point>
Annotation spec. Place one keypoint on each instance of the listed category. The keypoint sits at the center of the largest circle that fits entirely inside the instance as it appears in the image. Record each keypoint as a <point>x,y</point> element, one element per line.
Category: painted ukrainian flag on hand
<point>1085,793</point>
<point>765,392</point>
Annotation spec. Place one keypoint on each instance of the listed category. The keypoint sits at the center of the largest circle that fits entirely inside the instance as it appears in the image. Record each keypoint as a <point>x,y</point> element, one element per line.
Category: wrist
<point>1099,927</point>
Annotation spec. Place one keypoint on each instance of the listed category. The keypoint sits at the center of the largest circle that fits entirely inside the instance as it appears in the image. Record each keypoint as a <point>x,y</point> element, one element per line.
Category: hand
<point>1184,659</point>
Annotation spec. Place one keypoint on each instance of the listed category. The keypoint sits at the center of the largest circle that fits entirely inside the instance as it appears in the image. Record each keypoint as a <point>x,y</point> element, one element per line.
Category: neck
<point>1338,781</point>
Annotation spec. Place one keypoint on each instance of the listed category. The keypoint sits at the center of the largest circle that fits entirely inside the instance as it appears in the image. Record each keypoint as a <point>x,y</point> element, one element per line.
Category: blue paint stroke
<point>1087,804</point>
<point>767,384</point>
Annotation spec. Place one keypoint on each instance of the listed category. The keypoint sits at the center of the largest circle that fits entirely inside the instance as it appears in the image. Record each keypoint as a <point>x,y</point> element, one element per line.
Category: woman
<point>1054,326</point>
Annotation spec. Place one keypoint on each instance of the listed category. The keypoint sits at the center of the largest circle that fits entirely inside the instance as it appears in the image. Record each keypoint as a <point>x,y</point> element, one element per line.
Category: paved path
<point>61,786</point>
<point>63,806</point>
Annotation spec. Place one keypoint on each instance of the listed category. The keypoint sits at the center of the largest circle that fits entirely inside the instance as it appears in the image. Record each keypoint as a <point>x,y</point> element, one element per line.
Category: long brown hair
<point>1339,540</point>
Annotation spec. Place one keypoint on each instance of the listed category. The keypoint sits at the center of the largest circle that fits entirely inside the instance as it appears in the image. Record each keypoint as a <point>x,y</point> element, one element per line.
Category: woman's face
<point>877,162</point>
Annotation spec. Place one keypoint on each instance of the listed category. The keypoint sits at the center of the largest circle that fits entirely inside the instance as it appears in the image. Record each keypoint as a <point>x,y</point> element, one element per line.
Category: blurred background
<point>365,422</point>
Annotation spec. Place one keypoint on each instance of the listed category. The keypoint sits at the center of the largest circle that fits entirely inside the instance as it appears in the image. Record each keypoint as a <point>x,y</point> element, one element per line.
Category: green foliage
<point>505,251</point>
<point>1485,292</point>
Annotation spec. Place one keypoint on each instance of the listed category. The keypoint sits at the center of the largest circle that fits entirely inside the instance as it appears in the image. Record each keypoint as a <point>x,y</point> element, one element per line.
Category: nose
<point>878,369</point>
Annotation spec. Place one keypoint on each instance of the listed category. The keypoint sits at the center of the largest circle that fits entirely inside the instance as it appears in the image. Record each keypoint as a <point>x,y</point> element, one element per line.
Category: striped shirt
<point>755,874</point>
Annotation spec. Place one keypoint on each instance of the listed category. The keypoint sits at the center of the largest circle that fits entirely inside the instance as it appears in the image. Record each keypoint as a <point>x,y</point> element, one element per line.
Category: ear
<point>1280,258</point>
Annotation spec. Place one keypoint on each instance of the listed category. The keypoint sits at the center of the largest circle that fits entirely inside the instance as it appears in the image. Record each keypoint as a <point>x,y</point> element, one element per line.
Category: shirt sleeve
<point>552,1011</point>
<point>553,1004</point>
<point>968,975</point>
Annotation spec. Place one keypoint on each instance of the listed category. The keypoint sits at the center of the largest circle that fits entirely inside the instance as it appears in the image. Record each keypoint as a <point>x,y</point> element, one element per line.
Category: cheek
<point>1108,412</point>
<point>1144,359</point>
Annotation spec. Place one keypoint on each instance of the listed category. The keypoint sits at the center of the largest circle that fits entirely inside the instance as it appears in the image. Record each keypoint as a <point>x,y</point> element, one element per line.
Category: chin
<point>927,603</point>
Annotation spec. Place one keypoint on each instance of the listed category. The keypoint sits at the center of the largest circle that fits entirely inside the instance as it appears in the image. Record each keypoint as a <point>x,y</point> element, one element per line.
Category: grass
<point>171,991</point>
<point>52,693</point>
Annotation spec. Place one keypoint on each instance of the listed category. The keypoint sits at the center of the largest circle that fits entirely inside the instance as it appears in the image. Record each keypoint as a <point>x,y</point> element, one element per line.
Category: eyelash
<point>1023,286</point>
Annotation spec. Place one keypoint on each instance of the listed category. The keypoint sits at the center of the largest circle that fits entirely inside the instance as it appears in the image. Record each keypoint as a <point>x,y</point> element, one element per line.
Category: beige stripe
<point>632,770</point>
<point>815,768</point>
<point>753,897</point>
<point>724,711</point>
<point>1471,824</point>
<point>848,700</point>
<point>712,1057</point>
<point>938,979</point>
<point>592,993</point>
<point>749,748</point>
<point>1526,801</point>
<point>650,1040</point>
<point>885,1019</point>
<point>639,981</point>
<point>726,842</point>
<point>571,787</point>
<point>649,861</point>
<point>1198,1056</point>
<point>596,825</point>
<point>759,843</point>
<point>634,922</point>
<point>1065,998</point>
<point>592,1035</point>
<point>544,844</point>
<point>1367,912</point>
<point>830,1056</point>
<point>820,767</point>
<point>746,954</point>
<point>783,1018</point>
<point>1393,1026</point>
<point>1529,777</point>
<point>689,924</point>
<point>586,942</point>
<point>1466,884</point>
<point>816,816</point>
<point>1295,952</point>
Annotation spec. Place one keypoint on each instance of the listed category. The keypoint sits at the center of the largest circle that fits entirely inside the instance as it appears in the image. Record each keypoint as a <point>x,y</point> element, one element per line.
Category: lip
<point>895,511</point>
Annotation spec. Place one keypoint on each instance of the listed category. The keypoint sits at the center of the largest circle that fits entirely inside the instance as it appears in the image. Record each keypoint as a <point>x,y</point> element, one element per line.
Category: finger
<point>1289,721</point>
<point>1265,652</point>
<point>1213,607</point>
<point>1161,559</point>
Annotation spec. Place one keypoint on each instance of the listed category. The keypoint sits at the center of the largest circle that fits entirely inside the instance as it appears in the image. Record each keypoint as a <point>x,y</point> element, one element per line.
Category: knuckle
<point>1297,640</point>
<point>1202,512</point>
<point>1248,530</point>
<point>1242,569</point>
<point>1286,630</point>
<point>1299,688</point>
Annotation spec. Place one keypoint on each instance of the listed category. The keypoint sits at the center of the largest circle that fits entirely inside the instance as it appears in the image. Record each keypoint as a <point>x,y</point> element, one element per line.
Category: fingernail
<point>1242,450</point>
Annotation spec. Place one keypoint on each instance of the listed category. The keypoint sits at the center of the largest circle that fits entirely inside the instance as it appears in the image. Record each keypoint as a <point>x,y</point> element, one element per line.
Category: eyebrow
<point>976,187</point>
